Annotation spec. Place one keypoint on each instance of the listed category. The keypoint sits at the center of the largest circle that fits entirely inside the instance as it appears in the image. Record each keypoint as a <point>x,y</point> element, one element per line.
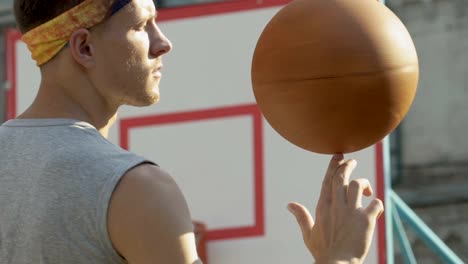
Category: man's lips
<point>157,72</point>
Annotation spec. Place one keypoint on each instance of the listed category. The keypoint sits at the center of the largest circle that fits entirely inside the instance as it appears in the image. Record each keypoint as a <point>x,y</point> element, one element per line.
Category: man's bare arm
<point>149,220</point>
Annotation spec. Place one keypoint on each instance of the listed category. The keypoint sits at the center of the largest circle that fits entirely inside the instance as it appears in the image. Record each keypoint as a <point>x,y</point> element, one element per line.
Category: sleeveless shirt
<point>56,180</point>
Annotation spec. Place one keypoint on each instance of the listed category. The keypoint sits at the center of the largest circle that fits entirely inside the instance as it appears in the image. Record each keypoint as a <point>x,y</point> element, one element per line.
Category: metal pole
<point>424,232</point>
<point>405,245</point>
<point>388,200</point>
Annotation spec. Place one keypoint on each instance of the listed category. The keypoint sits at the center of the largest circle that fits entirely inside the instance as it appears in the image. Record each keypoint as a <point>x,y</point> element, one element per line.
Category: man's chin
<point>148,100</point>
<point>154,97</point>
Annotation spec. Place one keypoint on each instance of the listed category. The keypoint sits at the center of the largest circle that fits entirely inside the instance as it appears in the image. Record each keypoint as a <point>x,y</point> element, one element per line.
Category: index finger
<point>340,180</point>
<point>335,162</point>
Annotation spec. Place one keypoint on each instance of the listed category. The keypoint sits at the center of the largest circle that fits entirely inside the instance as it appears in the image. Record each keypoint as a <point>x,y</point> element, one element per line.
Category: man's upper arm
<point>149,220</point>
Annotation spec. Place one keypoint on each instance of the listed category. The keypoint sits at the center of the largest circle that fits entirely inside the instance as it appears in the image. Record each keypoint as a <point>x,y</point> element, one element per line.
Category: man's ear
<point>81,48</point>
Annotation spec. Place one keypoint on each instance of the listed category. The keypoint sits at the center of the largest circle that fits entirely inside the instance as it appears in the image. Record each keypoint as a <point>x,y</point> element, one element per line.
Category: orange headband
<point>46,40</point>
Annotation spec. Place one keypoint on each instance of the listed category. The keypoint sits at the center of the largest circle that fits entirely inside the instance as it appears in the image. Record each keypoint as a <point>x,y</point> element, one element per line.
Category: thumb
<point>303,217</point>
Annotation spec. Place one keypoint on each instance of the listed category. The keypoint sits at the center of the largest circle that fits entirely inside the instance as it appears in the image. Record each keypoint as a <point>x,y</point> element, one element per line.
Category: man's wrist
<point>351,261</point>
<point>333,262</point>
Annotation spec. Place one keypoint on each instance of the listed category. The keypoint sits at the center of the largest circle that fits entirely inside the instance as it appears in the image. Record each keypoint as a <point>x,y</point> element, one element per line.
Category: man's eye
<point>141,26</point>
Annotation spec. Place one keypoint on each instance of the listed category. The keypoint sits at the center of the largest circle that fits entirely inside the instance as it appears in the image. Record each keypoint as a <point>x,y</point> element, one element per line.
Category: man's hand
<point>343,229</point>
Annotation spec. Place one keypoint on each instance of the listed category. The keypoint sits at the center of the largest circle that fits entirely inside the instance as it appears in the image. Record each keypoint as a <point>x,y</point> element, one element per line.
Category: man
<point>67,195</point>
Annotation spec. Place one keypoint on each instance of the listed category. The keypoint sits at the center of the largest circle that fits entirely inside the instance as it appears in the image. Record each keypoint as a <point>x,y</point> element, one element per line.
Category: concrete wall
<point>434,131</point>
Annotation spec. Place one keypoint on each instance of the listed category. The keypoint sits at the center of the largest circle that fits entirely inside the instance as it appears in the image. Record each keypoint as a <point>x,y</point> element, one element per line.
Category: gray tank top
<point>56,179</point>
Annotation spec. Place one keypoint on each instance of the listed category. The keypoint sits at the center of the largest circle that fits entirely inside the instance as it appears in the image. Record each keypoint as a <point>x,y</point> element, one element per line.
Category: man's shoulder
<point>148,178</point>
<point>149,217</point>
<point>95,156</point>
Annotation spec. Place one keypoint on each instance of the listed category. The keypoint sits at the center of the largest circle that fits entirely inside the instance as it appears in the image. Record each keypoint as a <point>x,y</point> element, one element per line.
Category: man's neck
<point>52,102</point>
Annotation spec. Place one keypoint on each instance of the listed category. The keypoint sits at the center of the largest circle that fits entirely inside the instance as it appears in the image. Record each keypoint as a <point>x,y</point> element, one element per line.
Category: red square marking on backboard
<point>257,229</point>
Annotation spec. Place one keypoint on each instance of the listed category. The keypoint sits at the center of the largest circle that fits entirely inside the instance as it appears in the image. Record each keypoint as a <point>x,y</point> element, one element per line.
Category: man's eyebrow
<point>152,15</point>
<point>147,17</point>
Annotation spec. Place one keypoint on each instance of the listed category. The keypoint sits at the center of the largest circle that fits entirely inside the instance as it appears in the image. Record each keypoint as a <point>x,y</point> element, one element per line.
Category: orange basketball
<point>334,75</point>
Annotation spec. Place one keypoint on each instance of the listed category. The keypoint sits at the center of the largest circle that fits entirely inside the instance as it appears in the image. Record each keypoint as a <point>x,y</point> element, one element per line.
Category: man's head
<point>129,47</point>
<point>118,58</point>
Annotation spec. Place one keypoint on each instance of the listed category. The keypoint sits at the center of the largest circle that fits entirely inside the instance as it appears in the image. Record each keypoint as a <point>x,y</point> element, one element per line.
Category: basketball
<point>334,75</point>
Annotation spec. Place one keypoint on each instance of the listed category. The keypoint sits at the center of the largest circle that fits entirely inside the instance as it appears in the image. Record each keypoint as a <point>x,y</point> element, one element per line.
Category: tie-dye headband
<point>46,40</point>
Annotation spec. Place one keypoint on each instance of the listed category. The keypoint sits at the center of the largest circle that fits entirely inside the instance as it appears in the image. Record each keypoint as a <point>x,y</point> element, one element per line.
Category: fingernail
<point>290,208</point>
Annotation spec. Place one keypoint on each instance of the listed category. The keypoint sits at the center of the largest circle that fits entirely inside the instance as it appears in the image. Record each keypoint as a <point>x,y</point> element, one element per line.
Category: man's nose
<point>160,44</point>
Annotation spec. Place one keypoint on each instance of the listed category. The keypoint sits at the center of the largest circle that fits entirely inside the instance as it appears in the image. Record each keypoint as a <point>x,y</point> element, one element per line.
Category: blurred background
<point>429,150</point>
